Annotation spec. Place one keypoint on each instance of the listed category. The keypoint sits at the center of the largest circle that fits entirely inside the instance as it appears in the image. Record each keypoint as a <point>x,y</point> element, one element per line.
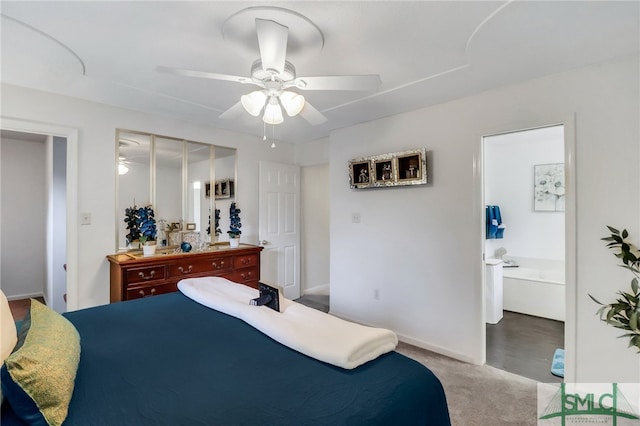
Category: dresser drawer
<point>183,268</point>
<point>145,274</point>
<point>150,290</point>
<point>245,261</point>
<point>244,276</point>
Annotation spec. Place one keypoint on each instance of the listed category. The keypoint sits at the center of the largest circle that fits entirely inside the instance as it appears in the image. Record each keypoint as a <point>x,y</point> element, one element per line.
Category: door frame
<point>71,134</point>
<point>571,318</point>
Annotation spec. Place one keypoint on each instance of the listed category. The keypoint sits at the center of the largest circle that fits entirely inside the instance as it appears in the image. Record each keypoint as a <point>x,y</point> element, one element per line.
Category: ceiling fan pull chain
<point>273,136</point>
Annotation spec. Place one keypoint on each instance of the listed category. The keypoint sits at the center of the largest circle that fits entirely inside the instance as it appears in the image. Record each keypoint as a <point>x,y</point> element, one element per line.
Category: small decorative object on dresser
<point>134,276</point>
<point>234,226</point>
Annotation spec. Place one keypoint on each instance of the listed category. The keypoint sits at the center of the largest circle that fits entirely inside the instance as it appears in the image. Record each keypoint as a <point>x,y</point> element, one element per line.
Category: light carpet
<point>480,395</point>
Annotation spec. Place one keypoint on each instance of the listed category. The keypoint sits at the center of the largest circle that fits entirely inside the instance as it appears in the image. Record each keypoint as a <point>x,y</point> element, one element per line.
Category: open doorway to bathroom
<point>524,194</point>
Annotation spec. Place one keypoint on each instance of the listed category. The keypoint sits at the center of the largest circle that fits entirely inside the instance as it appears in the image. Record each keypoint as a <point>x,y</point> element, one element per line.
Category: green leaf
<point>634,285</point>
<point>633,321</point>
<point>613,230</point>
<point>625,234</point>
<point>616,324</point>
<point>595,300</point>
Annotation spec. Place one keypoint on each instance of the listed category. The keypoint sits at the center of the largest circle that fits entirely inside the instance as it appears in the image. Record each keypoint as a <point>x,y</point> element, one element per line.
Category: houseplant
<point>624,312</point>
<point>133,230</point>
<point>147,225</point>
<point>234,225</point>
<point>217,230</point>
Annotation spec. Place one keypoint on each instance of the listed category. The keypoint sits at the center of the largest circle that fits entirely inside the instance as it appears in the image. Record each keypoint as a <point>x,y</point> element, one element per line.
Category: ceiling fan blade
<point>363,83</point>
<point>204,74</point>
<point>272,40</point>
<point>312,115</point>
<point>233,112</point>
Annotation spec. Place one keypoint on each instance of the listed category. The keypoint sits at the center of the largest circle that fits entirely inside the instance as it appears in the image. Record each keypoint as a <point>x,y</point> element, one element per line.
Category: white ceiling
<point>426,52</point>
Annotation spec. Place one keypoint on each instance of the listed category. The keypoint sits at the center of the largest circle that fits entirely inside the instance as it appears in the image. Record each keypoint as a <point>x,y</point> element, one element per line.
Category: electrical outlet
<point>376,294</point>
<point>85,218</point>
<point>355,217</point>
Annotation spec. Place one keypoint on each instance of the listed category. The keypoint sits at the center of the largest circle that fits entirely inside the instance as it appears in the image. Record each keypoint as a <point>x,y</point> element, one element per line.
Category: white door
<point>279,232</point>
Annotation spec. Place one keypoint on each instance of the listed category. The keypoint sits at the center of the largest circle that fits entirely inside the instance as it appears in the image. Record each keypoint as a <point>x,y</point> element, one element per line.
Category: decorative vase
<point>186,247</point>
<point>234,242</point>
<point>149,250</point>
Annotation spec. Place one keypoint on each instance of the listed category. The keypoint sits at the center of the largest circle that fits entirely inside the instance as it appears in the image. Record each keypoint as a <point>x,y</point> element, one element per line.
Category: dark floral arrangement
<point>131,219</point>
<point>217,219</point>
<point>141,224</point>
<point>147,224</point>
<point>234,222</point>
<point>623,313</point>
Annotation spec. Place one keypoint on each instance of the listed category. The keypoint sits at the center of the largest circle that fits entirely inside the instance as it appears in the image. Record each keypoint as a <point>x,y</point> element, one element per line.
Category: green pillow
<point>39,376</point>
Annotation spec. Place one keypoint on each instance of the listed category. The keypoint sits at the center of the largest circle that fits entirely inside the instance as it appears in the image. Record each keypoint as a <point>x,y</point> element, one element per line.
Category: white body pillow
<point>311,332</point>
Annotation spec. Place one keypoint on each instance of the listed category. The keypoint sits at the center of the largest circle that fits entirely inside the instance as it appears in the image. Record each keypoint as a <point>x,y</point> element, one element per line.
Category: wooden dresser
<point>134,276</point>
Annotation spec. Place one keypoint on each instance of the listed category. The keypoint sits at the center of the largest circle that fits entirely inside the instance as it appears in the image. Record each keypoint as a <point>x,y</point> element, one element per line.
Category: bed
<point>168,360</point>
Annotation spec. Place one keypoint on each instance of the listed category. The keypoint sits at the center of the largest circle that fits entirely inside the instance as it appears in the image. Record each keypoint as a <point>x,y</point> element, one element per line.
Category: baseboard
<point>437,349</point>
<point>420,343</point>
<point>25,296</point>
<point>319,289</point>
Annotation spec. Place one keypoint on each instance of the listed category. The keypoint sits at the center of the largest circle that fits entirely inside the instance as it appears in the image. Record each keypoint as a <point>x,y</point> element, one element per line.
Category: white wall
<point>508,172</point>
<point>97,126</point>
<point>315,228</point>
<point>24,211</point>
<point>421,247</point>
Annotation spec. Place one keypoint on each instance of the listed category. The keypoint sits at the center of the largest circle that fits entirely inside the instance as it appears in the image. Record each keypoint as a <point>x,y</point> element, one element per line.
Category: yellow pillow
<point>8,333</point>
<point>38,378</point>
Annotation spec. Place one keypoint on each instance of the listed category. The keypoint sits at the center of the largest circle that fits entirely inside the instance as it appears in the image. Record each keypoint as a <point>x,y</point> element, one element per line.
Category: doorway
<point>71,211</point>
<point>34,217</point>
<point>525,197</point>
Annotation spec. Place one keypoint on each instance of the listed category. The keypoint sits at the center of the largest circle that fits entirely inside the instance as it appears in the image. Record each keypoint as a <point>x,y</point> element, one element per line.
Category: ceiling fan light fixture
<point>273,112</point>
<point>292,103</point>
<point>253,102</point>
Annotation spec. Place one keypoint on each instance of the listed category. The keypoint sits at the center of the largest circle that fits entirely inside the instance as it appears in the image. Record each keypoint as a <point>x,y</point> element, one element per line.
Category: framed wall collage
<point>394,169</point>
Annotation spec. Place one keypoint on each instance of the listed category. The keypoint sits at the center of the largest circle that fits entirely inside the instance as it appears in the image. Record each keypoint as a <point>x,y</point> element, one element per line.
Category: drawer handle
<point>244,276</point>
<point>181,269</point>
<point>146,277</point>
<point>152,293</point>
<point>216,266</point>
<point>245,260</point>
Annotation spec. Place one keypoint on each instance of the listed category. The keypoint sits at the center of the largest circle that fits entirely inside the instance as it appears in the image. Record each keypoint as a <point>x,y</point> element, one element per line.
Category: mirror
<point>134,170</point>
<point>178,178</point>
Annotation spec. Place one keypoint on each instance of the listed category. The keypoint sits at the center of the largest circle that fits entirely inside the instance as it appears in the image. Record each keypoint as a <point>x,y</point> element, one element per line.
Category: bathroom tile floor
<point>524,345</point>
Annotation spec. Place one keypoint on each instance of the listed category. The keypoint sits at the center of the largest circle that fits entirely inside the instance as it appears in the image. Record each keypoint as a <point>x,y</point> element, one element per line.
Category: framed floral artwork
<point>548,187</point>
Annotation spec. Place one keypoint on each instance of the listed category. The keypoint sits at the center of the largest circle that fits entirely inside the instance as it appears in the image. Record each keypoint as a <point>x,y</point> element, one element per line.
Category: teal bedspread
<point>167,360</point>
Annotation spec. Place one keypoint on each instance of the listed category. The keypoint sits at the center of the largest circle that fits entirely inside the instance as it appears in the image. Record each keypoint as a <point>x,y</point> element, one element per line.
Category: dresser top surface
<point>170,254</point>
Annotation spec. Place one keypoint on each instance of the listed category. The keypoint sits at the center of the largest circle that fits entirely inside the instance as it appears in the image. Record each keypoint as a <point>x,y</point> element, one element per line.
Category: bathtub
<point>536,287</point>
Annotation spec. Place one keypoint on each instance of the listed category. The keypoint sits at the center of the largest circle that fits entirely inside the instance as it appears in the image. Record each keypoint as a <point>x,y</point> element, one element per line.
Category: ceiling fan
<point>274,75</point>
